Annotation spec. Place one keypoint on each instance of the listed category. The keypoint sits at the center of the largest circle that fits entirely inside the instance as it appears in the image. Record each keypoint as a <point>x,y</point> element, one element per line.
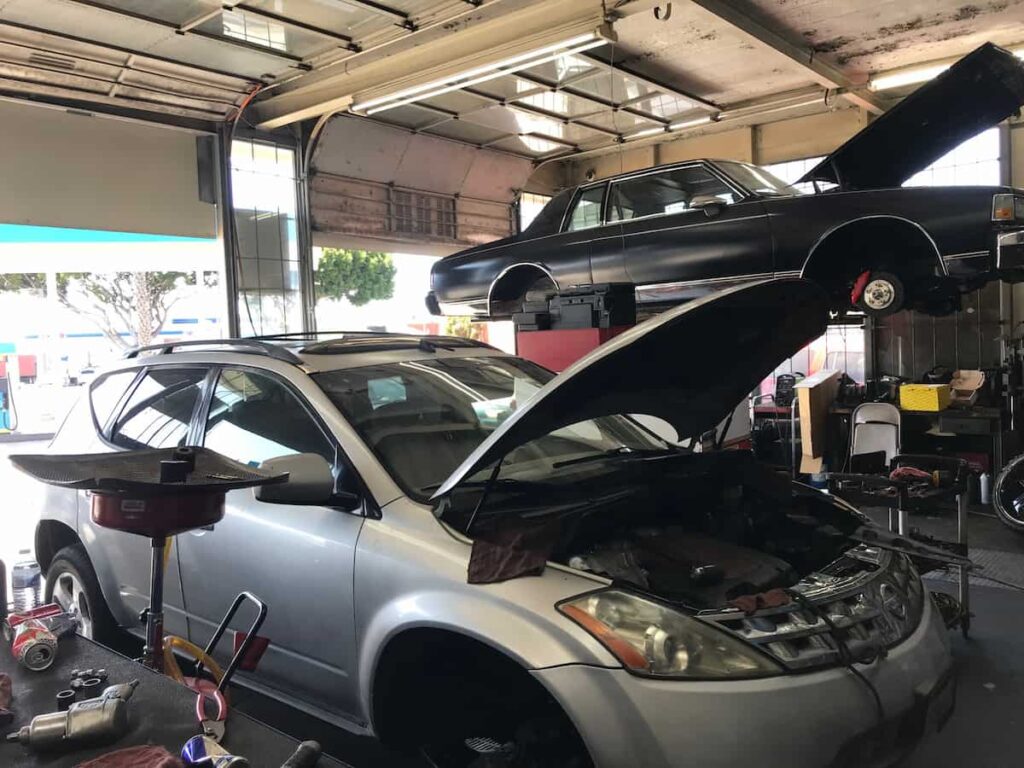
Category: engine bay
<point>707,529</point>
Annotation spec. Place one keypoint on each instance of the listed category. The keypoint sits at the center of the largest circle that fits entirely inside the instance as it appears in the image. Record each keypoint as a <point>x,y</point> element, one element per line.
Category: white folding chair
<point>875,427</point>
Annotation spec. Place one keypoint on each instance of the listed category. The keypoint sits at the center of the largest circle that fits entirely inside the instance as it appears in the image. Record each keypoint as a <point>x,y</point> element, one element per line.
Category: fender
<point>519,265</point>
<point>901,219</point>
<point>531,643</point>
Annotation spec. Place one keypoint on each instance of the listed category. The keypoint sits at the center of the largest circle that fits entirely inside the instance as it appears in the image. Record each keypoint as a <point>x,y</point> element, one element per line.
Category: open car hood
<point>690,366</point>
<point>981,90</point>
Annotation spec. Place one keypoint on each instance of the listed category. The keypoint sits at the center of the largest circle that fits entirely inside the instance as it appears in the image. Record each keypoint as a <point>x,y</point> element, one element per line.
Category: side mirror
<point>710,204</point>
<point>310,480</point>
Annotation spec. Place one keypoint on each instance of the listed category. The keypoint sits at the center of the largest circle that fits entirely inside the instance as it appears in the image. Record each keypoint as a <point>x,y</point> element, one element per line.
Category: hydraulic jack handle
<point>244,647</point>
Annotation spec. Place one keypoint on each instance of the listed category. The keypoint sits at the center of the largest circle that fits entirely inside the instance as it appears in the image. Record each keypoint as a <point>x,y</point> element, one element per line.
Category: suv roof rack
<point>381,342</point>
<point>251,346</point>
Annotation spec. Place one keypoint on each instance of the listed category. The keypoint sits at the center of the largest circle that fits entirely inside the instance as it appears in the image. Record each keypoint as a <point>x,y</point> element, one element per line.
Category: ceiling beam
<point>589,97</point>
<point>821,71</point>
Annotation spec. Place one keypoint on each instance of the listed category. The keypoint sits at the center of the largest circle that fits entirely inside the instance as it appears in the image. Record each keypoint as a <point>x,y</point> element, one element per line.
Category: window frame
<point>742,194</point>
<point>107,435</point>
<point>571,208</point>
<point>368,507</point>
<point>103,430</point>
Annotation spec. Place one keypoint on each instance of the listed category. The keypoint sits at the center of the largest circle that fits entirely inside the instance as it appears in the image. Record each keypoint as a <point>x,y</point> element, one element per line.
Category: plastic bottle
<point>26,583</point>
<point>985,488</point>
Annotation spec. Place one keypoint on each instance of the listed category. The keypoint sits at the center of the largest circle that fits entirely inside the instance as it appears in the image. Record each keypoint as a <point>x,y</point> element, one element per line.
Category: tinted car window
<point>159,411</point>
<point>254,417</point>
<point>586,210</point>
<point>106,392</point>
<point>662,194</point>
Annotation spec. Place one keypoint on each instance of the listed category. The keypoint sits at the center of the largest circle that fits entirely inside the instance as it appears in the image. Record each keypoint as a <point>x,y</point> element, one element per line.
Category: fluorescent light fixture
<point>643,133</point>
<point>481,74</point>
<point>690,123</point>
<point>907,77</point>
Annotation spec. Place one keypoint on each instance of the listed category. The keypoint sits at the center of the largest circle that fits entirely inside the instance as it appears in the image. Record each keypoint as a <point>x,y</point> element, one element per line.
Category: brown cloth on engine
<point>511,551</point>
<point>135,757</point>
<point>773,598</point>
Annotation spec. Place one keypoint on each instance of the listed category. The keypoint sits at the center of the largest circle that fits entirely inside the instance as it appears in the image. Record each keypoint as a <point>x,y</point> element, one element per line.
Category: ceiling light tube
<point>438,89</point>
<point>690,123</point>
<point>531,58</point>
<point>906,77</point>
<point>643,133</point>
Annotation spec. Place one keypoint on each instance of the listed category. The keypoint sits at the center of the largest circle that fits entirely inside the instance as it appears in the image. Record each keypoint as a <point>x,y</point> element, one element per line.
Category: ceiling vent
<point>51,61</point>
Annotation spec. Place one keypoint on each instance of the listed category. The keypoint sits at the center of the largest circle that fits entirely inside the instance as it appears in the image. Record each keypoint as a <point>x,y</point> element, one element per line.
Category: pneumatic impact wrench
<point>93,721</point>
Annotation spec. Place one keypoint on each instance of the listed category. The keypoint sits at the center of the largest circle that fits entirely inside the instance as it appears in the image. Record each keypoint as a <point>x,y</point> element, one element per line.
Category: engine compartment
<point>705,529</point>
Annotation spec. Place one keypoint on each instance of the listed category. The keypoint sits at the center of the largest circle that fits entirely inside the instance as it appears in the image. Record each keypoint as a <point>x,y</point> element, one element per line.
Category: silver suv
<point>502,564</point>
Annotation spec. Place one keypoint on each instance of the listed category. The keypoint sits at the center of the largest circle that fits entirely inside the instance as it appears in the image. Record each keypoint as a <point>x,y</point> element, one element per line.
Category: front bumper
<point>812,720</point>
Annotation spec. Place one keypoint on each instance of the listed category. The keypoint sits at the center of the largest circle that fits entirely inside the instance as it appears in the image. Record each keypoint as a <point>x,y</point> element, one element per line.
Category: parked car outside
<point>679,231</point>
<point>510,562</point>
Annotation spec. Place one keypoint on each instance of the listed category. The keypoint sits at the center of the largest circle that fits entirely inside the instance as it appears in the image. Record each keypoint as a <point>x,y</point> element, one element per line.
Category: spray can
<point>985,487</point>
<point>205,751</point>
<point>34,646</point>
<point>26,583</point>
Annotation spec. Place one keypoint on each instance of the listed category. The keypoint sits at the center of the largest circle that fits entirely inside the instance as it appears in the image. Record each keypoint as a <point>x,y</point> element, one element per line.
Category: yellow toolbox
<point>924,397</point>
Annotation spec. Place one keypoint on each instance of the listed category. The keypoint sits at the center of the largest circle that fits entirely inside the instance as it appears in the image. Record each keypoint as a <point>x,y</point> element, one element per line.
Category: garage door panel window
<point>586,210</point>
<point>254,417</point>
<point>663,194</point>
<point>159,411</point>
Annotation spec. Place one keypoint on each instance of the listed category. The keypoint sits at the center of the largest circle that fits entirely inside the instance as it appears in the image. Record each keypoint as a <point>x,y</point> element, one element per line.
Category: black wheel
<point>883,294</point>
<point>71,583</point>
<point>1008,494</point>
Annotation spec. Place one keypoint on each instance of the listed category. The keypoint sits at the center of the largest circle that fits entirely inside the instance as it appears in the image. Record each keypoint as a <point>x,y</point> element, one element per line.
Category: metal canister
<point>34,646</point>
<point>204,751</point>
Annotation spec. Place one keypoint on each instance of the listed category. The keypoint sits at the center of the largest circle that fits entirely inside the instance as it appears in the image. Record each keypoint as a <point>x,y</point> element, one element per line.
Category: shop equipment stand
<point>154,493</point>
<point>901,496</point>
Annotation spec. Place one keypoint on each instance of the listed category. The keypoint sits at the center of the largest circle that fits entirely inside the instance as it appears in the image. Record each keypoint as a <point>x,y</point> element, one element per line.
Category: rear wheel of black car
<point>882,294</point>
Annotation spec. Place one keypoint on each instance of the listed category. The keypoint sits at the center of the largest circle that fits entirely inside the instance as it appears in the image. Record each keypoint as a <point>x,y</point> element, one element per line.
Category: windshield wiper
<point>611,453</point>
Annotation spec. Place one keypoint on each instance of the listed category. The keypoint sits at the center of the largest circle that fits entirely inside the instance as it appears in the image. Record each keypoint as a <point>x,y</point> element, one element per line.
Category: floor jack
<point>158,494</point>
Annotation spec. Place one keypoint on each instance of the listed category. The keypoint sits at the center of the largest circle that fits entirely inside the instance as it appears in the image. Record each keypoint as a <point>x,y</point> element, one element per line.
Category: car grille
<point>876,607</point>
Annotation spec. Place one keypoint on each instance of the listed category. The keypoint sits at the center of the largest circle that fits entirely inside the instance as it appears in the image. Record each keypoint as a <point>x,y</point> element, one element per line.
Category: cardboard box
<point>924,397</point>
<point>815,394</point>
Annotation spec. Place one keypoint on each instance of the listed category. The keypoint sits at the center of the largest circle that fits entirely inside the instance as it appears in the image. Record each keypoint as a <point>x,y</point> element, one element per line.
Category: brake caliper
<point>858,286</point>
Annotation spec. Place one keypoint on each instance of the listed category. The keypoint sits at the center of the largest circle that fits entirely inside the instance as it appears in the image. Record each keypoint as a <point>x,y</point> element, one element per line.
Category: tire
<point>71,582</point>
<point>472,709</point>
<point>1008,495</point>
<point>883,295</point>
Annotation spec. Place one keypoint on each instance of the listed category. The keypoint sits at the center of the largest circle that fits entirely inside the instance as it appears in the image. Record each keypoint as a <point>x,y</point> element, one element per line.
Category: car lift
<point>556,332</point>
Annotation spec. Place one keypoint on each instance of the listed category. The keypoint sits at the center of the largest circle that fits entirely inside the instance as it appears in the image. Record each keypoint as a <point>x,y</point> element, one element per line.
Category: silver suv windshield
<point>423,418</point>
<point>757,179</point>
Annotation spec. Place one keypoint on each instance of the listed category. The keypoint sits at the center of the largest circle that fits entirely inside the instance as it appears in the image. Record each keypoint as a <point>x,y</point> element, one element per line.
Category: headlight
<point>1004,207</point>
<point>653,639</point>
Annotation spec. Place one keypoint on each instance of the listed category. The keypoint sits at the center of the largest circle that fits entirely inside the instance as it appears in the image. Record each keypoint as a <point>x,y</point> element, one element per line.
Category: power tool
<point>92,721</point>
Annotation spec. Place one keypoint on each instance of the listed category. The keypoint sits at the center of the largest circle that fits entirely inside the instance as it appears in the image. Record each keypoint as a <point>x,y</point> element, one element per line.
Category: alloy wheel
<point>69,594</point>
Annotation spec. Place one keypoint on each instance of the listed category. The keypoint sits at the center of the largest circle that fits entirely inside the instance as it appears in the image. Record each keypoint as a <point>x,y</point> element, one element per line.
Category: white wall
<point>64,169</point>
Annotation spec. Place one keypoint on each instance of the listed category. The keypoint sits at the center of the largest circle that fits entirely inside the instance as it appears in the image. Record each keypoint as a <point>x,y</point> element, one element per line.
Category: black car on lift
<point>678,231</point>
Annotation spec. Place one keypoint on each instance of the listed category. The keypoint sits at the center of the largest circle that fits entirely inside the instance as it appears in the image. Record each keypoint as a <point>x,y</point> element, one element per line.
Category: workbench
<point>160,712</point>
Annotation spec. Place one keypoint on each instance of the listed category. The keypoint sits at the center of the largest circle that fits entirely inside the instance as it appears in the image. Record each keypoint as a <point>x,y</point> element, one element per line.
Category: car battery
<point>594,306</point>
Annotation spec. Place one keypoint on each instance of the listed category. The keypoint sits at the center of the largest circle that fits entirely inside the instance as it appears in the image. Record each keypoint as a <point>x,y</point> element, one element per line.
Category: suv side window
<point>106,393</point>
<point>254,417</point>
<point>586,209</point>
<point>159,411</point>
<point>662,194</point>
